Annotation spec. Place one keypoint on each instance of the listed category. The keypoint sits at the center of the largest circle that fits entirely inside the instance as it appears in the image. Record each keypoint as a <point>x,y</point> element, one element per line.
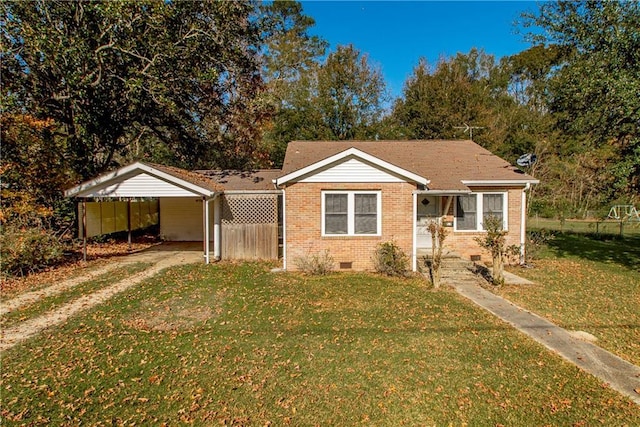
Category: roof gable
<point>145,180</point>
<point>352,169</point>
<point>340,163</point>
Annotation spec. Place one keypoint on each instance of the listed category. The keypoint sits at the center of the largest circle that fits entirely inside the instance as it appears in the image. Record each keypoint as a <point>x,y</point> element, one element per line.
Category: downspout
<point>217,240</point>
<point>414,255</point>
<point>523,225</point>
<point>216,229</point>
<point>284,230</point>
<point>284,223</point>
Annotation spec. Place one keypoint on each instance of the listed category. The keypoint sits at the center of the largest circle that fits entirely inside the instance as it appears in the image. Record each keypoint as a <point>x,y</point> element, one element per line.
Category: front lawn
<point>235,344</point>
<point>588,283</point>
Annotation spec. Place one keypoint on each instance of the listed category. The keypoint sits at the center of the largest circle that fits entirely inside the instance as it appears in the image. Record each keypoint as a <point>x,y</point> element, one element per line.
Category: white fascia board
<point>127,171</point>
<point>357,154</point>
<point>231,192</point>
<point>443,192</point>
<point>499,182</point>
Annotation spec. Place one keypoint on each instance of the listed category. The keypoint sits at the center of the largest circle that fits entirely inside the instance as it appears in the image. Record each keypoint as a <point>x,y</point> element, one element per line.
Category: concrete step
<point>453,269</point>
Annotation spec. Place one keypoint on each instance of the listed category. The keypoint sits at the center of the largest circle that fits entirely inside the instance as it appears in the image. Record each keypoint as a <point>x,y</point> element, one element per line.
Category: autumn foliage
<point>34,175</point>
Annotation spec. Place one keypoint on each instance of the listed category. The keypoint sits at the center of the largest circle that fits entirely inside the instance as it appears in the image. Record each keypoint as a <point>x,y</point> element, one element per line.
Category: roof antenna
<point>469,129</point>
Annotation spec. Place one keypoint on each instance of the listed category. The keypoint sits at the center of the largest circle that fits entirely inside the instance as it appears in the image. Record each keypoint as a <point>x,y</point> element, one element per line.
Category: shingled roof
<point>189,176</point>
<point>446,163</point>
<point>236,180</point>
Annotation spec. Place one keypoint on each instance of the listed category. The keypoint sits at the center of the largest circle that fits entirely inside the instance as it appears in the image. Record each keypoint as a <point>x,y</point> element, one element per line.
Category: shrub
<point>390,259</point>
<point>513,253</point>
<point>26,251</point>
<point>536,241</point>
<point>315,263</point>
<point>494,241</point>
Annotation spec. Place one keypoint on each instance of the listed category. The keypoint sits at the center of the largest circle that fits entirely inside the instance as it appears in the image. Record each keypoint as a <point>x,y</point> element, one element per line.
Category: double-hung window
<point>493,205</point>
<point>471,209</point>
<point>351,213</point>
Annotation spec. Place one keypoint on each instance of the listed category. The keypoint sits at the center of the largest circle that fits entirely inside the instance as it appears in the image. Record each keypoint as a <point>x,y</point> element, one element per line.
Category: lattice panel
<point>250,209</point>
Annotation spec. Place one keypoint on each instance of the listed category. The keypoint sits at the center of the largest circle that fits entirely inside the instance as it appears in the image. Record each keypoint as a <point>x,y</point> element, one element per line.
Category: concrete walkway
<point>619,374</point>
<point>161,257</point>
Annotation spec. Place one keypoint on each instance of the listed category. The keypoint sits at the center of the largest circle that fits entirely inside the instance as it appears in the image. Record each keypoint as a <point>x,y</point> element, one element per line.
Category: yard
<point>588,283</point>
<point>236,344</point>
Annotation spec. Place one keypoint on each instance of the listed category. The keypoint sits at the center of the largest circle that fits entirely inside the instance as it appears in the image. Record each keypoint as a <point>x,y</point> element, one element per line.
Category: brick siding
<point>463,243</point>
<point>304,224</point>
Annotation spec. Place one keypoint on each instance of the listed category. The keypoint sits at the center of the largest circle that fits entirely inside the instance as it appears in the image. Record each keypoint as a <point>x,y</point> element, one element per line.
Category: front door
<point>428,210</point>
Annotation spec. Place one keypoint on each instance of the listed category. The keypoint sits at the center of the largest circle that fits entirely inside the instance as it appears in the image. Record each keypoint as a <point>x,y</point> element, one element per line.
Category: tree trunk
<point>498,267</point>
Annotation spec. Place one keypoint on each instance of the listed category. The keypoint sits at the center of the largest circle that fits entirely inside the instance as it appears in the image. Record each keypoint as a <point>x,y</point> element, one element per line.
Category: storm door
<point>428,210</point>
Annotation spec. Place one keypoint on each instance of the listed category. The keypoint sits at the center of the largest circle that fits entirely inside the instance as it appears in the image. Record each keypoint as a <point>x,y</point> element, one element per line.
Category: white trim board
<point>499,182</point>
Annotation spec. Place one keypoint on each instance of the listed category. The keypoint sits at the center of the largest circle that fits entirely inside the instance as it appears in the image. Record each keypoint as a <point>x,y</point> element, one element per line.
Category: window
<point>466,213</point>
<point>492,206</point>
<point>468,206</point>
<point>336,214</point>
<point>351,213</point>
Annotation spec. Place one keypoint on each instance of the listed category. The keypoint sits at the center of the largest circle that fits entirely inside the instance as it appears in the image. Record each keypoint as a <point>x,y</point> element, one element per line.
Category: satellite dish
<point>526,160</point>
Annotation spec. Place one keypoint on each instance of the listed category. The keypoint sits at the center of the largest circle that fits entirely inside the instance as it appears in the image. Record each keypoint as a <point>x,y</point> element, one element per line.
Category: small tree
<point>438,236</point>
<point>495,242</point>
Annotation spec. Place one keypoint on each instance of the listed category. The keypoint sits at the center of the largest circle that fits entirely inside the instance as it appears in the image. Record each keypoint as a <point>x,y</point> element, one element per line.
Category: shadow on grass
<point>604,248</point>
<point>586,326</point>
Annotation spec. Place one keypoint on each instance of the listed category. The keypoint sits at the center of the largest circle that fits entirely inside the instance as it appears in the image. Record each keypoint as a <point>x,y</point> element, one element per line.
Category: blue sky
<point>395,34</point>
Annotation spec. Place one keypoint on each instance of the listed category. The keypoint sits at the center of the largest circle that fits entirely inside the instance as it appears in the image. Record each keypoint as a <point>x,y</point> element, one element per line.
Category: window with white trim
<point>468,206</point>
<point>351,213</point>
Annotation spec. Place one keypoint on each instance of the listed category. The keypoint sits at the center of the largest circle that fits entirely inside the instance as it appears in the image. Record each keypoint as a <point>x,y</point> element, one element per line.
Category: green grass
<point>235,344</point>
<point>590,284</point>
<point>48,303</point>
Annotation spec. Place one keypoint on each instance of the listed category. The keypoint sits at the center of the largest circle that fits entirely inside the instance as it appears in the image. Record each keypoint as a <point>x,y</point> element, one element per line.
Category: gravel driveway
<point>162,256</point>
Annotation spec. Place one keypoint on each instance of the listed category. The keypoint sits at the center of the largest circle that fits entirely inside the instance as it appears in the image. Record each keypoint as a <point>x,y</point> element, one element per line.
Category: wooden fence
<point>249,241</point>
<point>250,226</point>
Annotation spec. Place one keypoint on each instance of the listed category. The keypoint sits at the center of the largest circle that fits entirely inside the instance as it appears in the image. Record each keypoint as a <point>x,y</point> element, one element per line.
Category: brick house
<point>344,197</point>
<point>348,196</point>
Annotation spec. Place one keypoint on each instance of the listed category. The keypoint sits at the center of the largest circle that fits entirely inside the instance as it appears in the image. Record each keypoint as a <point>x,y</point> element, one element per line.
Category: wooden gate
<point>249,226</point>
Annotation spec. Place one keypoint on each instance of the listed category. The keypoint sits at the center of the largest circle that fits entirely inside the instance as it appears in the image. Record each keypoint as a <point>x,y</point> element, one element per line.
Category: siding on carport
<point>111,216</point>
<point>181,219</point>
<point>139,185</point>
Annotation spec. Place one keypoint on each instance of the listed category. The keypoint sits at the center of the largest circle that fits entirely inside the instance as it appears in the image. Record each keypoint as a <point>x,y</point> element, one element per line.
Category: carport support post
<point>84,230</point>
<point>206,230</point>
<point>129,223</point>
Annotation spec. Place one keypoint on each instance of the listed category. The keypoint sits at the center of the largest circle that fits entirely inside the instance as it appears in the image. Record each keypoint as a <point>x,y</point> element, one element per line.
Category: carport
<point>183,211</point>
